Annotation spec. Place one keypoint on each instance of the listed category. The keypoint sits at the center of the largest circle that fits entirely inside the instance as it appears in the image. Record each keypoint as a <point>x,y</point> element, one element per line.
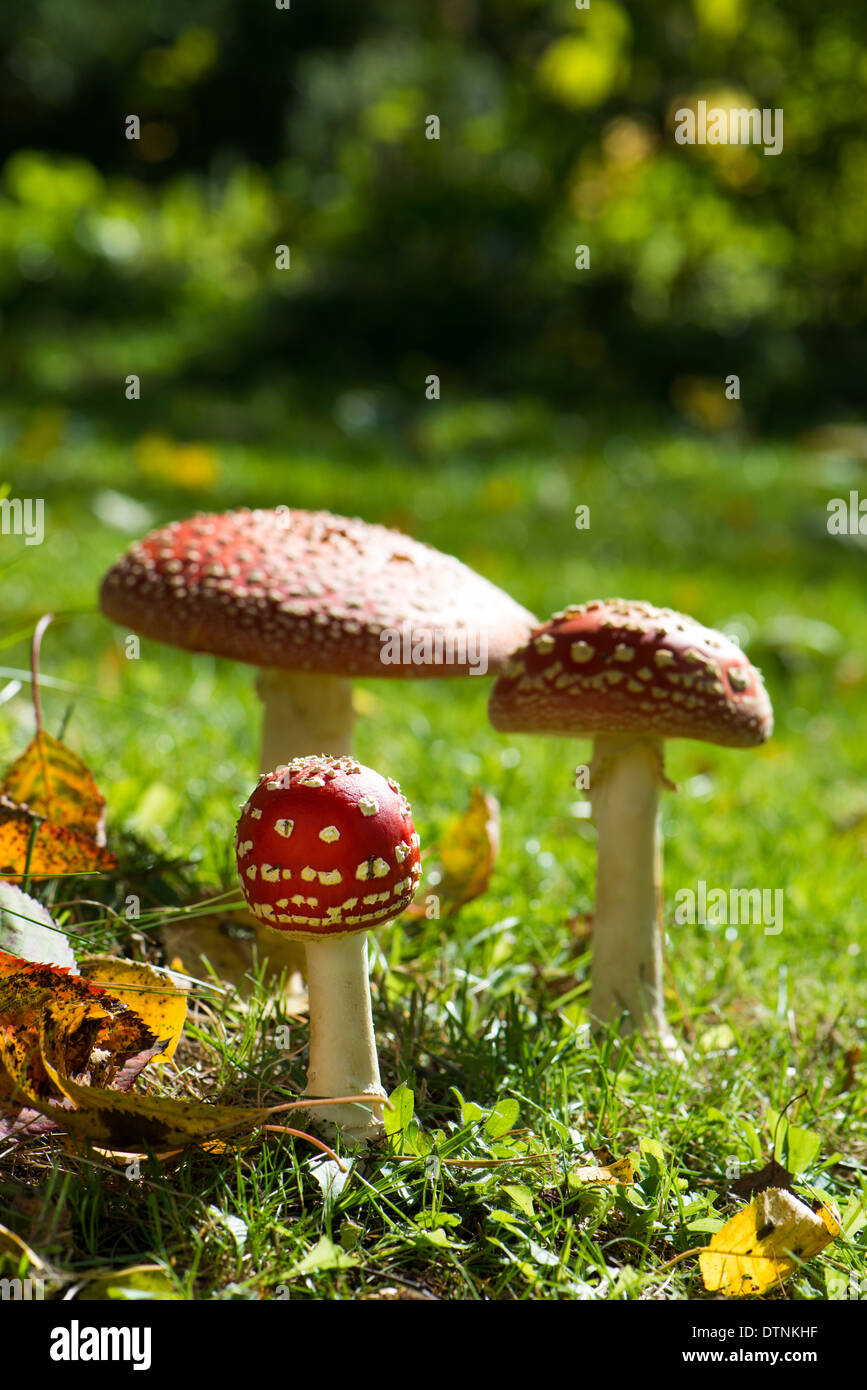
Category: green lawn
<point>486,1008</point>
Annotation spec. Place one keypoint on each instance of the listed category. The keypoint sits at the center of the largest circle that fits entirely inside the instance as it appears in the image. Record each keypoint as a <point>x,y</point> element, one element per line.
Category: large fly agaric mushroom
<point>326,850</point>
<point>309,598</point>
<point>630,676</point>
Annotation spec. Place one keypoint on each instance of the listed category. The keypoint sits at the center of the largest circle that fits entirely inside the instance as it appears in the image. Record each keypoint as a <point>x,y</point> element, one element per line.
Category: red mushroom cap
<point>614,666</point>
<point>325,847</point>
<point>306,591</point>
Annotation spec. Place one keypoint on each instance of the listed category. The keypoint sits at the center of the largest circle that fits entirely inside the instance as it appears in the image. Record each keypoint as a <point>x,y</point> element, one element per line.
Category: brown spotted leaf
<point>135,1122</point>
<point>153,997</point>
<point>26,1121</point>
<point>53,782</point>
<point>56,850</point>
<point>59,1031</point>
<point>84,1020</point>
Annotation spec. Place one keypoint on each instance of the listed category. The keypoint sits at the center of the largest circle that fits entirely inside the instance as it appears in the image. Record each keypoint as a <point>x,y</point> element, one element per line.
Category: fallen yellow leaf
<point>160,1005</point>
<point>52,781</point>
<point>83,1018</point>
<point>765,1242</point>
<point>620,1170</point>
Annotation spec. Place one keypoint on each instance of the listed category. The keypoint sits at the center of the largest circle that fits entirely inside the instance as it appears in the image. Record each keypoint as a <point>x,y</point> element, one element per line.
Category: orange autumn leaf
<point>70,1051</point>
<point>55,849</point>
<point>151,995</point>
<point>82,1019</point>
<point>113,1119</point>
<point>53,782</point>
<point>58,1030</point>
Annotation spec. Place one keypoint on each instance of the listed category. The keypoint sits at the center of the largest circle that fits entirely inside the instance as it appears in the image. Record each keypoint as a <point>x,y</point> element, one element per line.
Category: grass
<point>480,1016</point>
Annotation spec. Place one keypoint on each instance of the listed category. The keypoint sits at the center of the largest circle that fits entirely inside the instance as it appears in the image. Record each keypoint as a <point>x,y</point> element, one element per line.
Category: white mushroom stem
<point>304,713</point>
<point>625,777</point>
<point>343,1060</point>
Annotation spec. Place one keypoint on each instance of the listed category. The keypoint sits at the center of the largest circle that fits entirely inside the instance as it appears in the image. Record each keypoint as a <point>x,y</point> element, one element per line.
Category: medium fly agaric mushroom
<point>630,676</point>
<point>327,849</point>
<point>310,598</point>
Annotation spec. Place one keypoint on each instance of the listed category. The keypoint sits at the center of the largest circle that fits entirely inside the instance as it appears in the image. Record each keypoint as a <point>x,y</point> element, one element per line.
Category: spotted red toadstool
<point>630,675</point>
<point>313,600</point>
<point>327,849</point>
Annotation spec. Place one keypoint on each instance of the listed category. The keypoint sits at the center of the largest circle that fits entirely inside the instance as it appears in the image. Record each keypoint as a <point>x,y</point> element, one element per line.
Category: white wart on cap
<point>326,850</point>
<point>614,666</point>
<point>326,847</point>
<point>313,600</point>
<point>304,591</point>
<point>630,676</point>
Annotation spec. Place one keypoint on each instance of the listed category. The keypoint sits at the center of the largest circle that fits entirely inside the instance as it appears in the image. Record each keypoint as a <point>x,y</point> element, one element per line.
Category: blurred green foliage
<point>307,127</point>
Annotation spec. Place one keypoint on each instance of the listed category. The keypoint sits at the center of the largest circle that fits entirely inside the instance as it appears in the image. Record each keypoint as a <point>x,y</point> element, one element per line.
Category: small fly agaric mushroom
<point>327,849</point>
<point>630,675</point>
<point>309,598</point>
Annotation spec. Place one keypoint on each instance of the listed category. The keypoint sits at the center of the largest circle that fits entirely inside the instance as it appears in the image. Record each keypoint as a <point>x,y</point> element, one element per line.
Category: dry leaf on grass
<point>55,783</point>
<point>53,848</point>
<point>466,855</point>
<point>95,1035</point>
<point>36,1071</point>
<point>135,1122</point>
<point>161,1005</point>
<point>618,1170</point>
<point>765,1242</point>
<point>69,1051</point>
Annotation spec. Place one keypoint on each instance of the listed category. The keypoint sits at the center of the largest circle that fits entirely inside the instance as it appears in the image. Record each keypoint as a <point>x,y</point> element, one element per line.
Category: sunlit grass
<point>488,1006</point>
